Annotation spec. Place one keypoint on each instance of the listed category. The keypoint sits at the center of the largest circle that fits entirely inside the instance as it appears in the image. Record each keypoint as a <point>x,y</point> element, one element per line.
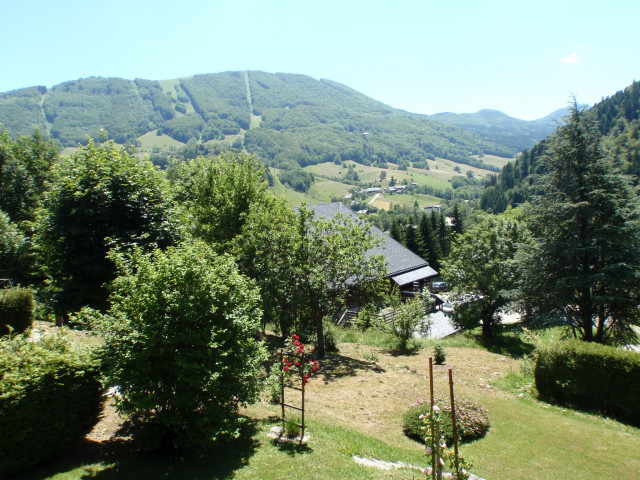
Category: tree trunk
<point>487,316</point>
<point>320,334</point>
<point>486,327</point>
<point>586,319</point>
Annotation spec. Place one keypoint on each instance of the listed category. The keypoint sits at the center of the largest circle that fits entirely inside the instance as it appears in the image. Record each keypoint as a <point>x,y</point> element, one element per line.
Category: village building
<point>405,269</point>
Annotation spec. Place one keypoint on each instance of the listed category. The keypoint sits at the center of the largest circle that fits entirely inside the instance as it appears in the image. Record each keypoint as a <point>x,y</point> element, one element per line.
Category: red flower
<point>295,337</point>
<point>306,381</point>
<point>300,350</point>
<point>315,368</point>
<point>311,350</point>
<point>297,364</point>
<point>286,369</point>
<point>310,361</point>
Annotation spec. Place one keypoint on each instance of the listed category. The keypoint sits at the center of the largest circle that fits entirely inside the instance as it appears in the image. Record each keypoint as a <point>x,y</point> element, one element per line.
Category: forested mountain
<point>288,120</point>
<point>618,119</point>
<point>499,127</point>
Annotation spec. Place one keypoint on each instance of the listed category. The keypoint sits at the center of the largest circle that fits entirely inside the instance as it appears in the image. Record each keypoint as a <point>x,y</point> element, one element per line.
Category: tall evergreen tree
<point>410,238</point>
<point>585,264</point>
<point>429,249</point>
<point>395,231</point>
<point>457,220</point>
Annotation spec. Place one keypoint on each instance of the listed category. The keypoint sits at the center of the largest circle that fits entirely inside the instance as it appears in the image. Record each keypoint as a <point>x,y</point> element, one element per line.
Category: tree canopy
<point>585,263</point>
<point>101,198</point>
<point>483,270</point>
<point>181,346</point>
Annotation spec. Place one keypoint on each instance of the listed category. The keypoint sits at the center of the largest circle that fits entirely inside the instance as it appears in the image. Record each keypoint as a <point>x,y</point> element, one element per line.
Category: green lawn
<point>355,407</point>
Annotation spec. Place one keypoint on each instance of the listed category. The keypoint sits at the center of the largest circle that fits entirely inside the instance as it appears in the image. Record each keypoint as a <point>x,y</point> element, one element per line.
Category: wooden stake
<point>282,388</point>
<point>453,420</point>
<point>434,455</point>
<point>303,382</point>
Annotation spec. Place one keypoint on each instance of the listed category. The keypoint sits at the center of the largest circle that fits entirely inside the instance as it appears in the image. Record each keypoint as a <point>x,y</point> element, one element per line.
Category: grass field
<point>355,407</point>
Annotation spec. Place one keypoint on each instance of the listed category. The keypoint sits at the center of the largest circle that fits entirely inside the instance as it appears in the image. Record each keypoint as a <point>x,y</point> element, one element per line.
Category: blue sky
<point>524,58</point>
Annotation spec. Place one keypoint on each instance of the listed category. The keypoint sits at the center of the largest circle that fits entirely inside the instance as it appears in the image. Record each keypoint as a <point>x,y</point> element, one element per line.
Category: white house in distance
<point>404,268</point>
<point>433,208</point>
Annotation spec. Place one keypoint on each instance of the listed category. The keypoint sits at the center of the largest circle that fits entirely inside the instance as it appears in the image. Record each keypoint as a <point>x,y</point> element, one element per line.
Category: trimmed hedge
<point>50,398</point>
<point>472,421</point>
<point>16,310</point>
<point>591,376</point>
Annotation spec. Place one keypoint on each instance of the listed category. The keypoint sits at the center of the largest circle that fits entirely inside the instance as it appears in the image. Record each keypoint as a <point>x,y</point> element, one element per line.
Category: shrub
<point>409,318</point>
<point>16,310</point>
<point>472,421</point>
<point>590,376</point>
<point>50,398</point>
<point>330,336</point>
<point>439,354</point>
<point>182,345</point>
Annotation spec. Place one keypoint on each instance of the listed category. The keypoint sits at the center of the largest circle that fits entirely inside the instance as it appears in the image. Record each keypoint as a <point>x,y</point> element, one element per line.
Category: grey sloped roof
<point>399,258</point>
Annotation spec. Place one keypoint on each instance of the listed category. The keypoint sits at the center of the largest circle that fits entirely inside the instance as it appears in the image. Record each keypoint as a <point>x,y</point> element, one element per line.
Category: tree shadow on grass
<point>217,462</point>
<point>119,459</point>
<point>294,448</point>
<point>335,366</point>
<point>410,351</point>
<point>508,342</point>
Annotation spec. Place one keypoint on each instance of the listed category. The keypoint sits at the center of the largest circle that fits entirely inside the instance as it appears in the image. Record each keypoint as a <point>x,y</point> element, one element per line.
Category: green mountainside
<point>288,120</point>
<point>618,118</point>
<point>499,127</point>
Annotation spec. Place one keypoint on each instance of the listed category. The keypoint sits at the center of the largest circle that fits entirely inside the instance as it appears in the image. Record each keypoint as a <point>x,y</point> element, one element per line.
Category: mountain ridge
<point>288,119</point>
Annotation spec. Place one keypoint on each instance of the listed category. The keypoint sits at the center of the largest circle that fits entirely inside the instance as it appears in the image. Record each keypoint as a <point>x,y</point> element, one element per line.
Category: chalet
<point>433,208</point>
<point>404,268</point>
<point>371,190</point>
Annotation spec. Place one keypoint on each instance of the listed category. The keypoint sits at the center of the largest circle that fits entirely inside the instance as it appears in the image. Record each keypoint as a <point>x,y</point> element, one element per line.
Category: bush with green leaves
<point>590,376</point>
<point>472,421</point>
<point>50,398</point>
<point>409,318</point>
<point>16,310</point>
<point>182,345</point>
<point>439,353</point>
<point>102,197</point>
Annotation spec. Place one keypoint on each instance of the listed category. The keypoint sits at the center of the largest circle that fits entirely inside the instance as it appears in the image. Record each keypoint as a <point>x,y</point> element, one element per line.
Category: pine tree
<point>457,220</point>
<point>410,238</point>
<point>585,265</point>
<point>429,248</point>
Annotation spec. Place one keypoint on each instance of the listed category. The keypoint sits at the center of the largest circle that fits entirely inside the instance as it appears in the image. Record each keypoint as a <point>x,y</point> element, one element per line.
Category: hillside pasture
<point>494,160</point>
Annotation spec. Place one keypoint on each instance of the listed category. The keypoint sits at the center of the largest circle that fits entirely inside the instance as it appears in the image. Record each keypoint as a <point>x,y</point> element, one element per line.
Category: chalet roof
<point>399,258</point>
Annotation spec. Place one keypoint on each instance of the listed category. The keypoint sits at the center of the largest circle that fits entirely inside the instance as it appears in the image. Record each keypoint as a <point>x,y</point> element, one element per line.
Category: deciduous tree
<point>101,198</point>
<point>182,346</point>
<point>483,271</point>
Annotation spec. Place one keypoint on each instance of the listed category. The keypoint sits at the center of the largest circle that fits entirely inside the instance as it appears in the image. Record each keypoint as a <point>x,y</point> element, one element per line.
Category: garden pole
<point>453,423</point>
<point>282,387</point>
<point>438,455</point>
<point>303,382</point>
<point>431,423</point>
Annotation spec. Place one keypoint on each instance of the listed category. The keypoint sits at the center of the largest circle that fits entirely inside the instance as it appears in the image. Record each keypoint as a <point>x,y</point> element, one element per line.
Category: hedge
<point>16,310</point>
<point>591,376</point>
<point>50,398</point>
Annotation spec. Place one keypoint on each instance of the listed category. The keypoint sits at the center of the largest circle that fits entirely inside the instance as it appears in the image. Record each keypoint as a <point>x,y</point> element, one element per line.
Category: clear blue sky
<point>522,57</point>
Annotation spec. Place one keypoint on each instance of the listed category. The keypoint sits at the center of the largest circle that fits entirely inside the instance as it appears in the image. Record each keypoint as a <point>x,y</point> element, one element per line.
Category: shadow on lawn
<point>508,342</point>
<point>334,366</point>
<point>119,459</point>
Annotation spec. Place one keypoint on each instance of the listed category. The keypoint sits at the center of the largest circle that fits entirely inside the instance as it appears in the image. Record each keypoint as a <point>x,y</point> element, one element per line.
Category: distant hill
<point>501,128</point>
<point>618,119</point>
<point>289,120</point>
